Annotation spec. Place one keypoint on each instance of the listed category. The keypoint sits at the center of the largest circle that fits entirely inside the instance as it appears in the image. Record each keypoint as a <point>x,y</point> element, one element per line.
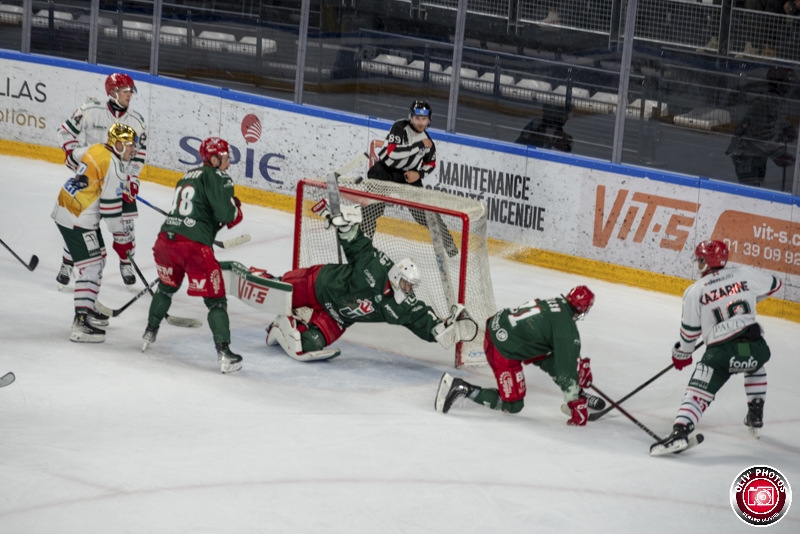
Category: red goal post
<point>460,276</point>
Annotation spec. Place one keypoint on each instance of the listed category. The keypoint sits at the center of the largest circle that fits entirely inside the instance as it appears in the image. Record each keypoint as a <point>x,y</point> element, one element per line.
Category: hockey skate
<point>64,274</point>
<point>149,336</point>
<point>96,318</point>
<point>450,390</point>
<point>283,331</point>
<point>755,417</point>
<point>128,276</point>
<point>675,442</point>
<point>228,361</point>
<point>595,404</point>
<point>83,331</point>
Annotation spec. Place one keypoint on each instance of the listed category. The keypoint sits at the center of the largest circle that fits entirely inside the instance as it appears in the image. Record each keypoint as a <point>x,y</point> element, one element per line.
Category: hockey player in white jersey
<point>720,308</point>
<point>90,195</point>
<point>89,126</point>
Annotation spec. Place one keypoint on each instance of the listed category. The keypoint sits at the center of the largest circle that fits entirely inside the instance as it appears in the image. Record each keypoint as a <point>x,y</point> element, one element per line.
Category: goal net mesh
<point>454,265</point>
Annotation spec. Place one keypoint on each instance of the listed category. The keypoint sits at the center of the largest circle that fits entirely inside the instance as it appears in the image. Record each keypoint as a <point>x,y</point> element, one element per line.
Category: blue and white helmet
<point>404,276</point>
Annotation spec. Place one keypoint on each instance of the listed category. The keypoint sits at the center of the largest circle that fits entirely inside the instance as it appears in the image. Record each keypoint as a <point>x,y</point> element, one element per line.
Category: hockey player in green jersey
<point>540,332</point>
<point>202,204</point>
<point>369,288</point>
<point>720,308</point>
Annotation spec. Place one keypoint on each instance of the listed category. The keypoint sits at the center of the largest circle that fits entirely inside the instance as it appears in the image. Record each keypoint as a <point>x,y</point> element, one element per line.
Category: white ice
<point>105,439</point>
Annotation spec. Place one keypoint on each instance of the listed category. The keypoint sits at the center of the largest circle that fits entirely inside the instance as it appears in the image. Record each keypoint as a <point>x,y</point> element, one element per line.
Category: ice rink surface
<point>105,439</point>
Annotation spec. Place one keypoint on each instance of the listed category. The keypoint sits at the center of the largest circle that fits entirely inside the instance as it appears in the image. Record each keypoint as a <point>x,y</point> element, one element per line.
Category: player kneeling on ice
<point>720,307</point>
<point>369,288</point>
<point>540,332</point>
<point>202,204</point>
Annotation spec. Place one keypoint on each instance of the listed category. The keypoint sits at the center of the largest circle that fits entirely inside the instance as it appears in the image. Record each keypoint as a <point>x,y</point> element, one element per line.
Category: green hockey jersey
<point>202,203</point>
<point>359,291</point>
<point>541,330</point>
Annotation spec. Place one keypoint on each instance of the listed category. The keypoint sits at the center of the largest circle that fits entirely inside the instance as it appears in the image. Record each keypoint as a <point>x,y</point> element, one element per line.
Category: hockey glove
<point>459,326</point>
<point>239,216</point>
<point>680,359</point>
<point>344,221</point>
<point>580,413</point>
<point>69,148</point>
<point>584,373</point>
<point>131,190</point>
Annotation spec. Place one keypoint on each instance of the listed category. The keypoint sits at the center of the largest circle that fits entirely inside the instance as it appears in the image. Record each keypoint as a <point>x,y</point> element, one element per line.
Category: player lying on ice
<point>542,332</point>
<point>369,288</point>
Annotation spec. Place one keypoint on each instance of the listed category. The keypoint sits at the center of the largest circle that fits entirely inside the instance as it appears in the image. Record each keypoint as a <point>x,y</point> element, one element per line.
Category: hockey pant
<point>88,252</point>
<point>510,393</point>
<point>179,257</point>
<point>718,364</point>
<point>321,329</point>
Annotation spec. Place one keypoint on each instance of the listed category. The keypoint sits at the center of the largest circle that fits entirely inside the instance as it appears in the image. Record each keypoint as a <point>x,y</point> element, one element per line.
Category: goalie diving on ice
<point>369,288</point>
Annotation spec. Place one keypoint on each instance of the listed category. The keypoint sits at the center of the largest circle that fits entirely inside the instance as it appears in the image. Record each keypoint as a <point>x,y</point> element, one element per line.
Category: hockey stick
<point>7,379</point>
<point>625,413</point>
<point>105,310</point>
<point>598,415</point>
<point>184,322</point>
<point>31,265</point>
<point>693,440</point>
<point>332,190</point>
<point>228,243</point>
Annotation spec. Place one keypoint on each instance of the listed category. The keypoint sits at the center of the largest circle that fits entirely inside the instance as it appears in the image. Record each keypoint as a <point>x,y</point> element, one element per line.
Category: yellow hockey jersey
<point>83,207</point>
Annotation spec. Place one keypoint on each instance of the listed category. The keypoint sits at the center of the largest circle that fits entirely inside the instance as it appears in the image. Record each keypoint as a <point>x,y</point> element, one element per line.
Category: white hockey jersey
<point>89,126</point>
<point>721,305</point>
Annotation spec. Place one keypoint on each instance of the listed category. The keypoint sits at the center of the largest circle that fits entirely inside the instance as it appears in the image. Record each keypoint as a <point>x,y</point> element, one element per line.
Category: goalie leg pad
<point>283,331</point>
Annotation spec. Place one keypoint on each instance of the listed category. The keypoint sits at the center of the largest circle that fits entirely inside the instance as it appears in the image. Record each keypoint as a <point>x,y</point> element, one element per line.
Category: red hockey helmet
<point>581,299</point>
<point>117,81</point>
<point>710,255</point>
<point>213,146</point>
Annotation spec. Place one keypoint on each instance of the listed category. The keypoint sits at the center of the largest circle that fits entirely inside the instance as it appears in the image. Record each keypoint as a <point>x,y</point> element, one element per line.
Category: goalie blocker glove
<point>344,222</point>
<point>459,326</point>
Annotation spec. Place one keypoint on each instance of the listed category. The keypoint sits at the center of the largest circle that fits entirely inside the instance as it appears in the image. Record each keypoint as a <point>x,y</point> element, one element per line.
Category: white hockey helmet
<point>404,276</point>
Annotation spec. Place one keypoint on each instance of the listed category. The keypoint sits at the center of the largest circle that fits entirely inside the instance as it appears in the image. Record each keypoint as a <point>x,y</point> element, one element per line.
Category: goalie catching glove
<point>344,221</point>
<point>458,327</point>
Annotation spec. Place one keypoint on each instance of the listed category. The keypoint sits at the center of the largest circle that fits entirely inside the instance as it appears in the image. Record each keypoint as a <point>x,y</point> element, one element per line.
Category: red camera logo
<point>760,495</point>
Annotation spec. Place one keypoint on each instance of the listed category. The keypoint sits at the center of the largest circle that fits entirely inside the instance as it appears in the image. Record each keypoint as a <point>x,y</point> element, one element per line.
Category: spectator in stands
<point>768,6</point>
<point>764,131</point>
<point>553,15</point>
<point>792,7</point>
<point>547,130</point>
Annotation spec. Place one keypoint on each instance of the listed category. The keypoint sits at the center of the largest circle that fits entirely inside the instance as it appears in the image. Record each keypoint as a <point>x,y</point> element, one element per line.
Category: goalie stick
<point>332,190</point>
<point>7,379</point>
<point>184,322</point>
<point>695,440</point>
<point>227,243</point>
<point>31,265</point>
<point>598,415</point>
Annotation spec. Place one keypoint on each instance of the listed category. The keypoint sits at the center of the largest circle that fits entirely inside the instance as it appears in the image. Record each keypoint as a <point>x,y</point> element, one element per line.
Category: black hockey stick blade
<point>7,379</point>
<point>184,322</point>
<point>31,265</point>
<point>105,310</point>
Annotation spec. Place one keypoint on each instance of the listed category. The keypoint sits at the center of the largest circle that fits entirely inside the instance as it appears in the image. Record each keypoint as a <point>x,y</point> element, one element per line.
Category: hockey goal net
<point>453,259</point>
